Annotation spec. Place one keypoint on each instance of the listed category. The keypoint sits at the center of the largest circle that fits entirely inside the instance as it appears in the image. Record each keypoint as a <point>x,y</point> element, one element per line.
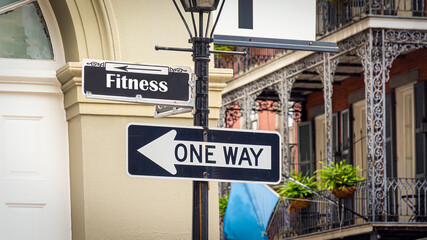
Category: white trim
<point>38,67</point>
<point>14,6</point>
<point>359,120</point>
<point>320,136</point>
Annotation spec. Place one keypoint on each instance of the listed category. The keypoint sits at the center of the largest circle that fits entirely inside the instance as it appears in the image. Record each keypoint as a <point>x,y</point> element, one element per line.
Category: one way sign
<point>203,154</point>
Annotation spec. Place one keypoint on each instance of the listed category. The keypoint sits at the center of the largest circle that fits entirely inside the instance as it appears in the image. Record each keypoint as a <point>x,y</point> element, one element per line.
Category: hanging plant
<point>339,178</point>
<point>301,197</point>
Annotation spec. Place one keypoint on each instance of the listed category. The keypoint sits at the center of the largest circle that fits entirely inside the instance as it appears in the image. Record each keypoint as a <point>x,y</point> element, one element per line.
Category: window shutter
<point>420,129</point>
<point>335,132</point>
<point>305,147</point>
<point>390,135</point>
<point>346,136</point>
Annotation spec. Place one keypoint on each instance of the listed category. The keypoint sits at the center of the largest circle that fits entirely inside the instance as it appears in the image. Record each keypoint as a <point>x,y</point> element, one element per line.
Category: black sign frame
<point>139,83</point>
<point>138,165</point>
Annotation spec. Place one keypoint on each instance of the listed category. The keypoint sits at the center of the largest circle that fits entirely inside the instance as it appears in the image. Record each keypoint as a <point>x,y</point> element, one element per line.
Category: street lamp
<point>201,53</point>
<point>199,5</point>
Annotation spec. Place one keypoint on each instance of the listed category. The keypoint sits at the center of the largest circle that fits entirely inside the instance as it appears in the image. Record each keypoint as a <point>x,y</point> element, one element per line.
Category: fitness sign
<point>135,82</point>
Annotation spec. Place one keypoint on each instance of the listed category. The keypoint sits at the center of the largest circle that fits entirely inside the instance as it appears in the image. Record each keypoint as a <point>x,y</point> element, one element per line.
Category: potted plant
<point>339,178</point>
<point>299,196</point>
<point>223,201</point>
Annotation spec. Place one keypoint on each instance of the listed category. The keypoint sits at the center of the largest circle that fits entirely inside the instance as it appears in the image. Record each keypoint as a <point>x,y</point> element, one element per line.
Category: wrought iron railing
<point>240,64</point>
<point>331,16</point>
<point>335,14</point>
<point>406,203</point>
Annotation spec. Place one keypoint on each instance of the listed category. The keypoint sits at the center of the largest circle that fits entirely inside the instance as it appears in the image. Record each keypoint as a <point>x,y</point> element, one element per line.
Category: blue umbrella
<point>248,211</point>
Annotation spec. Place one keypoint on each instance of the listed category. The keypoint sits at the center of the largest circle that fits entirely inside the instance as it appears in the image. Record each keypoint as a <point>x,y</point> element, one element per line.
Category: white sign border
<point>203,179</point>
<point>139,98</point>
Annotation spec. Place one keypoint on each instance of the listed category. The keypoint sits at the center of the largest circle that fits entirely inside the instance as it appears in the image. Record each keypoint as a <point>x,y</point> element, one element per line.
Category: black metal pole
<point>201,118</point>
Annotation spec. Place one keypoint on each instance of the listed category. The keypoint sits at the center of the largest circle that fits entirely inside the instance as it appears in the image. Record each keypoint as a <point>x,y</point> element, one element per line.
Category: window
<point>420,128</point>
<point>409,134</point>
<point>30,41</point>
<point>23,31</point>
<point>405,131</point>
<point>359,136</point>
<point>345,136</point>
<point>306,163</point>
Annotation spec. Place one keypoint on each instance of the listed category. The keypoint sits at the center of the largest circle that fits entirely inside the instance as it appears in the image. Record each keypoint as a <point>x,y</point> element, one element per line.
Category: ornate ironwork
<point>284,91</point>
<point>407,198</point>
<point>327,72</point>
<point>267,105</point>
<point>311,61</point>
<point>377,49</point>
<point>95,64</point>
<point>372,61</point>
<point>177,70</point>
<point>297,115</point>
<point>239,63</point>
<point>232,115</point>
<point>334,15</point>
<point>377,57</point>
<point>221,119</point>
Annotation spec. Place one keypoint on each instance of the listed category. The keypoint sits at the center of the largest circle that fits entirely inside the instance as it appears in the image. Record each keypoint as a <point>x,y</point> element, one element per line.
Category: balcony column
<point>378,54</point>
<point>376,75</point>
<point>221,120</point>
<point>248,104</point>
<point>326,72</point>
<point>284,89</point>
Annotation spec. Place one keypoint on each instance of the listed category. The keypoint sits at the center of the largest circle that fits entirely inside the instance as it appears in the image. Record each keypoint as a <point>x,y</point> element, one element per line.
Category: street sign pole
<point>201,60</point>
<point>201,118</point>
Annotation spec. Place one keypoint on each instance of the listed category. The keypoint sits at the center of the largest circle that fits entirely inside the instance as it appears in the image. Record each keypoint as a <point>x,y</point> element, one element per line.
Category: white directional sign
<point>163,111</point>
<point>203,154</point>
<point>280,24</point>
<point>141,83</point>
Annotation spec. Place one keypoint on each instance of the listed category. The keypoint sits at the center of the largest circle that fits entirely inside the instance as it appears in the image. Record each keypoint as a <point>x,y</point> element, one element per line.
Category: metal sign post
<point>201,118</point>
<point>163,111</point>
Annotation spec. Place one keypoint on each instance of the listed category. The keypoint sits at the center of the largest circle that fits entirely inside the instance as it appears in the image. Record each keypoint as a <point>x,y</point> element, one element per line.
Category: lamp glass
<point>200,5</point>
<point>205,3</point>
<point>186,5</point>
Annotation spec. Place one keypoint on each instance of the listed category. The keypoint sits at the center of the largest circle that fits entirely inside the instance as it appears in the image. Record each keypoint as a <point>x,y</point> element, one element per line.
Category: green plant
<point>291,189</point>
<point>224,48</point>
<point>339,175</point>
<point>223,201</point>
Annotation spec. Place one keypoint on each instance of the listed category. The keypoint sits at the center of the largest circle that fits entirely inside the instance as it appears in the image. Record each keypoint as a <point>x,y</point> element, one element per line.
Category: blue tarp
<point>248,211</point>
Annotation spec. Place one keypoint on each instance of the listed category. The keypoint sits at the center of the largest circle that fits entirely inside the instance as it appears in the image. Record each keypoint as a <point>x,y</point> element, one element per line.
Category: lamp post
<point>200,49</point>
<point>201,116</point>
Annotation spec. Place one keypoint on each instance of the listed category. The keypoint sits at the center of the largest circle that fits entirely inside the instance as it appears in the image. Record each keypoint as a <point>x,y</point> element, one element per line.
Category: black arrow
<point>125,68</point>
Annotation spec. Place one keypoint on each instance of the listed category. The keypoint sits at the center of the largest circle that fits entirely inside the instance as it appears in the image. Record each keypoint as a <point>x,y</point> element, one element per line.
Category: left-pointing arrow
<point>167,152</point>
<point>126,68</point>
<point>155,151</point>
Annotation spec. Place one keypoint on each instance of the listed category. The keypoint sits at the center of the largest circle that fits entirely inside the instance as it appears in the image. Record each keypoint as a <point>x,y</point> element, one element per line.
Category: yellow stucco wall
<point>106,202</point>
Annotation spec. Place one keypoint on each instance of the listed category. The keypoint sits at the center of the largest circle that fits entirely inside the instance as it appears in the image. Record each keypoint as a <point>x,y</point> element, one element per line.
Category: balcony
<point>241,64</point>
<point>405,205</point>
<point>332,15</point>
<point>335,14</point>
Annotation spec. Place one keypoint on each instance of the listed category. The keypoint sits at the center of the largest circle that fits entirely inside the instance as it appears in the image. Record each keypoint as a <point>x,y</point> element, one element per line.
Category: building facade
<point>366,104</point>
<point>63,156</point>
